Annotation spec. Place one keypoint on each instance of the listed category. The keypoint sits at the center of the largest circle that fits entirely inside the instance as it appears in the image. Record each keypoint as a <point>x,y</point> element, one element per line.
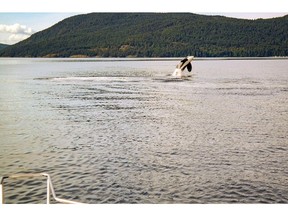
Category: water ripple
<point>134,135</point>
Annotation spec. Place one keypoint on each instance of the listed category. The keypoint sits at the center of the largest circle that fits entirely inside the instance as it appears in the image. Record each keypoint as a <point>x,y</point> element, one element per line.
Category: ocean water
<point>125,131</point>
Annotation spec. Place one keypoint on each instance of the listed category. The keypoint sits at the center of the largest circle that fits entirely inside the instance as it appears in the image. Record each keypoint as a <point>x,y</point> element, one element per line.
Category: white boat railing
<point>50,187</point>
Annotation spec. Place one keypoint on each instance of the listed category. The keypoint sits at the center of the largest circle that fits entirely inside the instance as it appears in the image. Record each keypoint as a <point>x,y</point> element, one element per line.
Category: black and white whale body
<point>184,63</point>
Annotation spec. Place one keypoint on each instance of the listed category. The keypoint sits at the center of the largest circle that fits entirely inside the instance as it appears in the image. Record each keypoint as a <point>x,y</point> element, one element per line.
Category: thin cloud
<point>10,34</point>
<point>16,29</point>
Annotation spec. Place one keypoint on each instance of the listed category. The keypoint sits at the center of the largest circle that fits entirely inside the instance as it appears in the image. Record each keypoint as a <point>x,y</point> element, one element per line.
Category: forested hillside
<point>2,46</point>
<point>156,35</point>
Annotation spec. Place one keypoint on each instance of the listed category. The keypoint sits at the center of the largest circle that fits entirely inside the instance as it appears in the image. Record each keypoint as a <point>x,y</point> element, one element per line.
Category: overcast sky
<point>30,16</point>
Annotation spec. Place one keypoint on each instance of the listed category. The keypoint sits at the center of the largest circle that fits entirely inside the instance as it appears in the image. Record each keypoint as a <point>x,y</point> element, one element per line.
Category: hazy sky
<point>19,19</point>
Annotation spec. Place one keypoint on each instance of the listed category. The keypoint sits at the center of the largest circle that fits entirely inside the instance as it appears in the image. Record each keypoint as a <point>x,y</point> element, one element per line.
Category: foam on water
<point>89,78</point>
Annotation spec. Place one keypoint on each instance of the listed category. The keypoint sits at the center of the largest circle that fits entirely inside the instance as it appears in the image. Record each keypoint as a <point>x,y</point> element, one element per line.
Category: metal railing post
<point>2,196</point>
<point>1,193</point>
<point>48,191</point>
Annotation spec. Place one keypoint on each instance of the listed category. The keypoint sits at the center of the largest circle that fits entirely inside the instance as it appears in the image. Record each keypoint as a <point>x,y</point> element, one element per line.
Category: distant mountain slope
<point>156,35</point>
<point>2,46</point>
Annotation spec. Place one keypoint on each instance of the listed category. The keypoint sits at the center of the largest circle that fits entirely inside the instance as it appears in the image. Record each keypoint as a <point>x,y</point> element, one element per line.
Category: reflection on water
<point>126,132</point>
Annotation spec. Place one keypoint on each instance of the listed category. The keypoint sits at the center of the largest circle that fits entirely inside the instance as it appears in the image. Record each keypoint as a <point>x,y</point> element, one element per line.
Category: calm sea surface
<point>119,131</point>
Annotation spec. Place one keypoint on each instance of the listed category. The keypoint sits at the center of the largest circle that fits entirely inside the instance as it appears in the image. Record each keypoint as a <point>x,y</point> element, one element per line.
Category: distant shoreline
<point>148,58</point>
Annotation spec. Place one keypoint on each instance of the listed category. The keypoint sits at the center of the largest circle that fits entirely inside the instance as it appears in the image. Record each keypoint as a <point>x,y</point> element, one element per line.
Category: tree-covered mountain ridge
<point>2,46</point>
<point>156,35</point>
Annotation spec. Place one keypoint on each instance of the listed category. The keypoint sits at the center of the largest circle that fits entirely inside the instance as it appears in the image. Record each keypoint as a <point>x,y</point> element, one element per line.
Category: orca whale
<point>184,63</point>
